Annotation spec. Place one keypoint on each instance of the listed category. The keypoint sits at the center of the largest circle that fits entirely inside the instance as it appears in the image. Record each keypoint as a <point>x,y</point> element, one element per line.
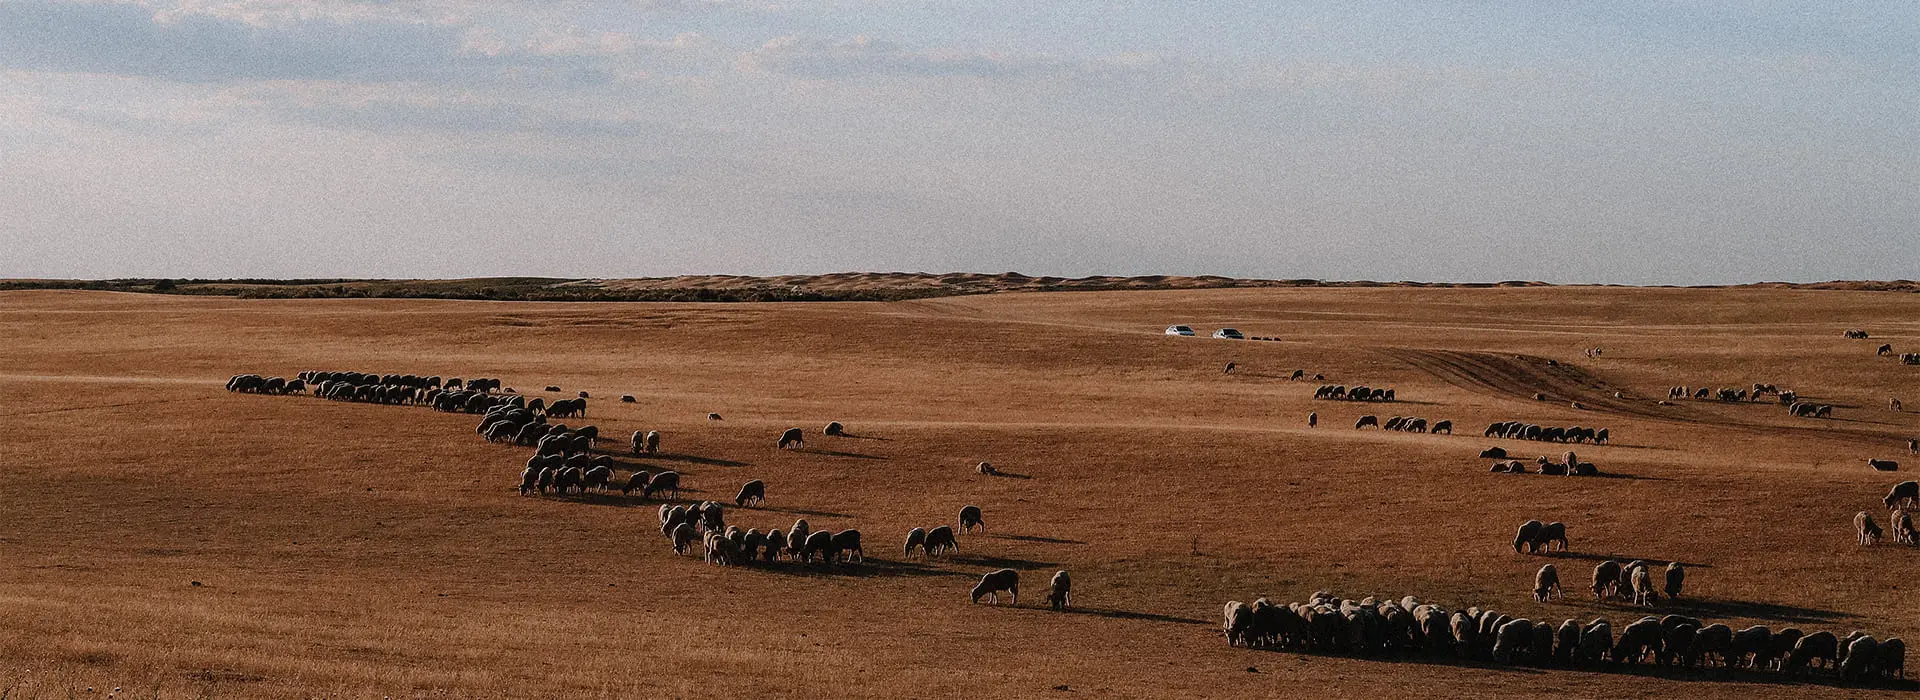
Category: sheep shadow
<point>836,453</point>
<point>1009,475</point>
<point>800,512</point>
<point>1036,538</point>
<point>1000,562</point>
<point>1113,614</point>
<point>869,568</point>
<point>1775,612</point>
<point>1622,558</point>
<point>852,436</point>
<point>696,459</point>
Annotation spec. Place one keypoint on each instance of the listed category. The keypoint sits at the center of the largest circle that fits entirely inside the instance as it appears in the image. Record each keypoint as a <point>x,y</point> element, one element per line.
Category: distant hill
<point>839,286</point>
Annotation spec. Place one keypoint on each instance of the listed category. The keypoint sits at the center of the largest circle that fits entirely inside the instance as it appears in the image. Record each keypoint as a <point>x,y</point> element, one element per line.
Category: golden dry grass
<point>362,550</point>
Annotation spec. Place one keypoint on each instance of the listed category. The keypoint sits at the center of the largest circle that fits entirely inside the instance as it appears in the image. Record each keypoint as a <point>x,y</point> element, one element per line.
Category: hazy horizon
<point>1626,143</point>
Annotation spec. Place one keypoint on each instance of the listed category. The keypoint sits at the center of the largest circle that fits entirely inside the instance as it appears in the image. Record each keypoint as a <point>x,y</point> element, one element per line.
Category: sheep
<point>1883,465</point>
<point>1366,421</point>
<point>846,545</point>
<point>662,482</point>
<point>1606,579</point>
<point>1676,578</point>
<point>712,518</point>
<point>551,387</point>
<point>916,539</point>
<point>987,469</point>
<point>776,543</point>
<point>1529,531</point>
<point>1905,493</point>
<point>1643,594</point>
<point>639,441</point>
<point>751,544</point>
<point>1637,640</point>
<point>754,492</point>
<point>628,398</point>
<point>1445,426</point>
<point>1510,638</point>
<point>1903,532</point>
<point>1465,632</point>
<point>1913,446</point>
<point>529,479</point>
<point>1550,534</point>
<point>940,540</point>
<point>834,429</point>
<point>1313,419</point>
<point>797,536</point>
<point>1008,580</point>
<point>1861,655</point>
<point>713,416</point>
<point>1713,641</point>
<point>637,482</point>
<point>1679,643</point>
<point>1596,641</point>
<point>1884,350</point>
<point>597,478</point>
<point>1237,623</point>
<point>1777,649</point>
<point>1820,645</point>
<point>792,439</point>
<point>1893,658</point>
<point>1867,531</point>
<point>683,536</point>
<point>1546,583</point>
<point>1748,647</point>
<point>1493,453</point>
<point>1062,594</point>
<point>1894,404</point>
<point>818,544</point>
<point>970,518</point>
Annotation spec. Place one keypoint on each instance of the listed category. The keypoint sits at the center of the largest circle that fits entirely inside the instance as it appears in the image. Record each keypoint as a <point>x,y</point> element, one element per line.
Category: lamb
<point>1867,531</point>
<point>1546,583</point>
<point>1062,594</point>
<point>1529,532</point>
<point>1905,493</point>
<point>1676,579</point>
<point>1008,580</point>
<point>916,539</point>
<point>970,518</point>
<point>754,492</point>
<point>792,439</point>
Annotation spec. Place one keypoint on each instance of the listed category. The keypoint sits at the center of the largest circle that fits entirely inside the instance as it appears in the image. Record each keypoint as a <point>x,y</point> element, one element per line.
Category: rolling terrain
<point>167,537</point>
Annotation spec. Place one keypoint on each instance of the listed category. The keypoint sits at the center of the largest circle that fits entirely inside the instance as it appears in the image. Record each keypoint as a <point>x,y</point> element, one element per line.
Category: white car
<point>1179,330</point>
<point>1229,333</point>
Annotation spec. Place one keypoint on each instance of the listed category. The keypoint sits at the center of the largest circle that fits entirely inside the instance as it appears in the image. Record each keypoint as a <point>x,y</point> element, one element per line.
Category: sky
<point>1616,142</point>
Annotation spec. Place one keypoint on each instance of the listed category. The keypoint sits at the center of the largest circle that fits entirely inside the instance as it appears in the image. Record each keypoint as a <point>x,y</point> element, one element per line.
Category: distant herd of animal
<point>564,463</point>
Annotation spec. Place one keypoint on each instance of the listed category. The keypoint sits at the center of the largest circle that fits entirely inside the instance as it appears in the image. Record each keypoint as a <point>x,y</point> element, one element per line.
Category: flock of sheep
<point>1333,392</point>
<point>1406,424</point>
<point>1374,628</point>
<point>1569,464</point>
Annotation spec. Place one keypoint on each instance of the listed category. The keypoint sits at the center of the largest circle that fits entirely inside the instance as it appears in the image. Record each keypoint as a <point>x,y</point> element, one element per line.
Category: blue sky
<point>1628,142</point>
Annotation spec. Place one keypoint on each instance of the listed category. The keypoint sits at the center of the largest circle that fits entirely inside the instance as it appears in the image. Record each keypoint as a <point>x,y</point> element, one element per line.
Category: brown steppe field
<point>163,536</point>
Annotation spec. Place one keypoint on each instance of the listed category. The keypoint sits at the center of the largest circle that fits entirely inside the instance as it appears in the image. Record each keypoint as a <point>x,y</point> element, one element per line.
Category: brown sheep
<point>970,518</point>
<point>1546,583</point>
<point>1008,580</point>
<point>792,439</point>
<point>1868,531</point>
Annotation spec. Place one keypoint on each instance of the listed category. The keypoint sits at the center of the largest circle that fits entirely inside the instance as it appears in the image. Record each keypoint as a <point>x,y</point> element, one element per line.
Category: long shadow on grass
<point>1712,608</point>
<point>696,459</point>
<point>1037,538</point>
<point>1001,562</point>
<point>1623,559</point>
<point>801,512</point>
<point>1131,615</point>
<point>1716,675</point>
<point>871,568</point>
<point>834,453</point>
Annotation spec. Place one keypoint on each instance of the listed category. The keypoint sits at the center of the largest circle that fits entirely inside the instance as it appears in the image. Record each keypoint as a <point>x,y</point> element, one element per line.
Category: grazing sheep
<point>1596,642</point>
<point>1821,646</point>
<point>628,398</point>
<point>1676,579</point>
<point>1606,579</point>
<point>835,429</point>
<point>1313,419</point>
<point>1493,453</point>
<point>1905,493</point>
<point>797,535</point>
<point>551,387</point>
<point>637,482</point>
<point>776,543</point>
<point>1861,655</point>
<point>1883,465</point>
<point>940,540</point>
<point>1748,647</point>
<point>1903,532</point>
<point>1913,446</point>
<point>1710,642</point>
<point>662,482</point>
<point>1551,534</point>
<point>1445,426</point>
<point>1513,637</point>
<point>713,416</point>
<point>1868,531</point>
<point>597,478</point>
<point>1546,583</point>
<point>529,480</point>
<point>1893,658</point>
<point>1366,421</point>
<point>818,544</point>
<point>639,441</point>
<point>970,518</point>
<point>683,537</point>
<point>793,438</point>
<point>846,545</point>
<point>916,539</point>
<point>754,492</point>
<point>1062,594</point>
<point>1884,350</point>
<point>987,469</point>
<point>1894,404</point>
<point>1529,532</point>
<point>1637,640</point>
<point>1643,594</point>
<point>1008,580</point>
